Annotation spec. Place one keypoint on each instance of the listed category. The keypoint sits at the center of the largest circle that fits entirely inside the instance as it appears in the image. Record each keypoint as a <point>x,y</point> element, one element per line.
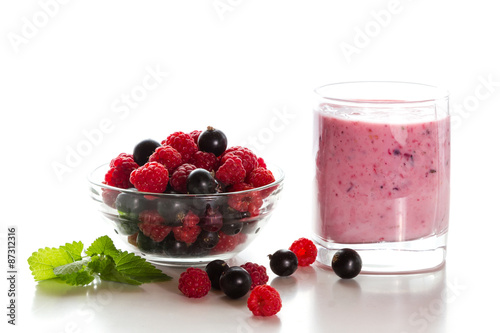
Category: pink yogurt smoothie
<point>379,181</point>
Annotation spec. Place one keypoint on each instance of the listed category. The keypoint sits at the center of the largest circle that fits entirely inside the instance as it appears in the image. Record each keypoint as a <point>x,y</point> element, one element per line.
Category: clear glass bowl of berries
<point>187,200</point>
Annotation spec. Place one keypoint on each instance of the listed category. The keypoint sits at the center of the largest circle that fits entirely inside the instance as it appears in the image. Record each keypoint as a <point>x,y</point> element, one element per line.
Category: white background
<point>247,67</point>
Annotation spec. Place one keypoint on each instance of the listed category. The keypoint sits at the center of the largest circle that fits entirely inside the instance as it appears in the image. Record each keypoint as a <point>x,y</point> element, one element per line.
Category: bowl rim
<point>278,180</point>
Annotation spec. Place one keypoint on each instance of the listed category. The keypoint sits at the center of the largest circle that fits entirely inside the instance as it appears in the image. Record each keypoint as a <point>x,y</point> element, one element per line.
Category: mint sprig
<point>102,260</point>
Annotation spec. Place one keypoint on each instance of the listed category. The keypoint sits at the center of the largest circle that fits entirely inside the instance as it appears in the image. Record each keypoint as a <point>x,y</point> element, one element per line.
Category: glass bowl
<point>185,229</point>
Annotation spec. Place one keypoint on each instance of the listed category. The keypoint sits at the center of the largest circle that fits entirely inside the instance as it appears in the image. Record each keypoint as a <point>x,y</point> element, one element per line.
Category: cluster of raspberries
<point>168,167</point>
<point>182,226</point>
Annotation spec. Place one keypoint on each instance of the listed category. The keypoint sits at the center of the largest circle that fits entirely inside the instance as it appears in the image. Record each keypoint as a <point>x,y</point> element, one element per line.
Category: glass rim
<point>435,93</point>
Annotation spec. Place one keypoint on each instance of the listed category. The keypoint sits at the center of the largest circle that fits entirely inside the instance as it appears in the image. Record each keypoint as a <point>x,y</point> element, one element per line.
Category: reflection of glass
<point>391,303</point>
<point>382,174</point>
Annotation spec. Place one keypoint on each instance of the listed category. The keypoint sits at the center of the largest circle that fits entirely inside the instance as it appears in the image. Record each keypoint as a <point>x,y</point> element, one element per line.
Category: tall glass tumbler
<point>382,183</point>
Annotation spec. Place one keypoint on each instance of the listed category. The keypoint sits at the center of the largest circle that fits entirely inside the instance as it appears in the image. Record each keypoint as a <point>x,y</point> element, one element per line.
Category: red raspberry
<point>264,301</point>
<point>183,143</point>
<point>119,173</point>
<point>151,177</point>
<point>167,156</point>
<point>204,160</point>
<point>231,171</point>
<point>261,163</point>
<point>194,283</point>
<point>245,202</point>
<point>152,226</point>
<point>228,243</point>
<point>260,177</point>
<point>195,135</point>
<point>179,177</point>
<point>246,155</point>
<point>257,273</point>
<point>109,197</point>
<point>305,250</point>
<point>189,230</point>
<point>186,234</point>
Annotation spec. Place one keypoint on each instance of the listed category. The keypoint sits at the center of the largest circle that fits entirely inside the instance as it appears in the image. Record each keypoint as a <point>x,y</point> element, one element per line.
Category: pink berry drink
<point>382,179</point>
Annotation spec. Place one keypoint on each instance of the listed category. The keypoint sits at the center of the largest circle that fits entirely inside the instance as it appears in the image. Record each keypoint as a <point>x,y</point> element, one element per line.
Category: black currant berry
<point>146,244</point>
<point>200,181</point>
<point>173,247</point>
<point>129,205</point>
<point>232,229</point>
<point>143,150</point>
<point>214,270</point>
<point>235,282</point>
<point>172,210</point>
<point>212,141</point>
<point>283,262</point>
<point>207,239</point>
<point>346,263</point>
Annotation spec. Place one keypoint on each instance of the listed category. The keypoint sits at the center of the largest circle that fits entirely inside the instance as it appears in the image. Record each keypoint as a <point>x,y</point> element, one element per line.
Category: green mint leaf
<point>102,245</point>
<point>76,273</point>
<point>43,262</point>
<point>101,264</point>
<point>133,269</point>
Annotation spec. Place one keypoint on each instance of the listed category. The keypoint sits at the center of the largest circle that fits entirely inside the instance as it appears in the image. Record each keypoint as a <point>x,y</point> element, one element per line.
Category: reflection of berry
<point>194,283</point>
<point>204,160</point>
<point>246,155</point>
<point>120,169</point>
<point>264,301</point>
<point>228,243</point>
<point>183,143</point>
<point>151,177</point>
<point>257,273</point>
<point>260,177</point>
<point>305,250</point>
<point>231,171</point>
<point>179,177</point>
<point>167,156</point>
<point>245,202</point>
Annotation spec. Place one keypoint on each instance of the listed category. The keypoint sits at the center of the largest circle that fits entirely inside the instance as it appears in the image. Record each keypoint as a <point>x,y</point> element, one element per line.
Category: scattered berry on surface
<point>212,141</point>
<point>119,171</point>
<point>200,181</point>
<point>214,270</point>
<point>168,156</point>
<point>346,263</point>
<point>194,283</point>
<point>179,177</point>
<point>305,250</point>
<point>231,171</point>
<point>264,301</point>
<point>143,150</point>
<point>283,262</point>
<point>235,282</point>
<point>257,273</point>
<point>183,143</point>
<point>151,177</point>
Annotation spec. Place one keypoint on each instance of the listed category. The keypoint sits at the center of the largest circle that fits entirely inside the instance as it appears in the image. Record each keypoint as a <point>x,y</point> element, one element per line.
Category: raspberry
<point>152,225</point>
<point>204,160</point>
<point>189,230</point>
<point>151,177</point>
<point>245,202</point>
<point>179,177</point>
<point>194,283</point>
<point>228,243</point>
<point>109,197</point>
<point>119,173</point>
<point>261,163</point>
<point>260,177</point>
<point>231,171</point>
<point>257,273</point>
<point>167,156</point>
<point>305,250</point>
<point>264,301</point>
<point>183,143</point>
<point>195,135</point>
<point>246,155</point>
